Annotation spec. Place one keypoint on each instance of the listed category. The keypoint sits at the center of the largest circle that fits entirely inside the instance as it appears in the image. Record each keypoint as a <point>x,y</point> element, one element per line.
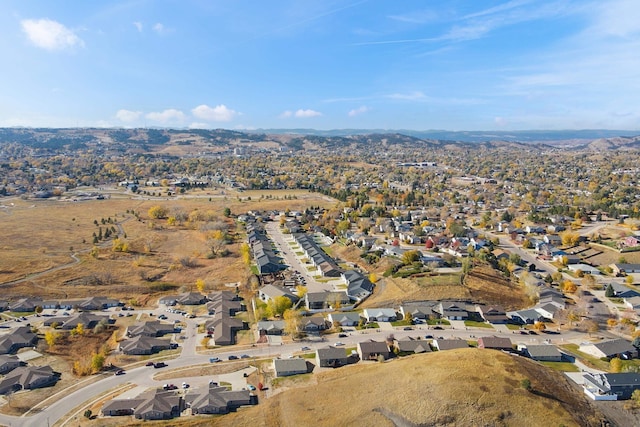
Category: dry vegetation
<point>422,390</point>
<point>489,286</point>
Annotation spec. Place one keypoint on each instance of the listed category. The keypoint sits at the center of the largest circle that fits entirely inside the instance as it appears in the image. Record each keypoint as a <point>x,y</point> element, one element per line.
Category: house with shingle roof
<point>218,400</point>
<point>495,343</point>
<point>8,363</point>
<point>541,352</point>
<point>271,327</point>
<point>288,367</point>
<point>412,345</point>
<point>379,314</point>
<point>344,318</point>
<point>615,386</point>
<point>423,310</point>
<point>331,357</point>
<point>372,350</point>
<point>150,329</point>
<point>449,344</point>
<point>610,348</point>
<point>143,344</point>
<point>28,378</point>
<point>16,339</point>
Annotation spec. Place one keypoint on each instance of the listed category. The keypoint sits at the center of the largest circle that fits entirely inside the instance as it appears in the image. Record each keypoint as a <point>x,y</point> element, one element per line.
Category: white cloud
<point>418,17</point>
<point>412,96</point>
<point>358,111</point>
<point>50,35</point>
<point>128,116</point>
<point>219,113</point>
<point>286,114</point>
<point>307,113</point>
<point>170,115</point>
<point>159,28</point>
<point>138,26</point>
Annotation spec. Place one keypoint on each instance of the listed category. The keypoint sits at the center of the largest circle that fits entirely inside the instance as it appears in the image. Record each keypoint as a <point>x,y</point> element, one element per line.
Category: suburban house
<point>495,343</point>
<point>412,345</point>
<point>88,320</point>
<point>271,327</point>
<point>8,363</point>
<point>224,302</point>
<point>618,386</point>
<point>16,339</point>
<point>610,348</point>
<point>379,314</point>
<point>319,258</point>
<point>28,378</point>
<point>372,350</point>
<point>262,249</point>
<point>493,314</point>
<point>345,318</point>
<point>541,352</point>
<point>419,310</point>
<point>24,305</point>
<point>156,404</point>
<point>143,344</point>
<point>186,298</point>
<point>331,357</point>
<point>150,329</point>
<point>288,367</point>
<point>359,287</point>
<point>218,400</point>
<point>621,269</point>
<point>271,292</point>
<point>524,317</point>
<point>224,328</point>
<point>633,303</point>
<point>326,300</point>
<point>452,310</point>
<point>315,323</point>
<point>621,291</point>
<point>449,344</point>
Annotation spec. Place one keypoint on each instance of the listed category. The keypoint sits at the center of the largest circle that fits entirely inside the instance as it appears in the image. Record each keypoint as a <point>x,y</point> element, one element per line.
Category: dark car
<point>245,356</point>
<point>342,335</point>
<point>428,337</point>
<point>408,328</point>
<point>439,328</point>
<point>159,365</point>
<point>149,364</point>
<point>533,332</point>
<point>119,372</point>
<point>232,357</point>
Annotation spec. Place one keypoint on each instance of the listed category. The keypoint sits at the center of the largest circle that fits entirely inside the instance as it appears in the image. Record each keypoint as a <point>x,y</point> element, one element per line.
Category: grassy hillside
<point>467,387</point>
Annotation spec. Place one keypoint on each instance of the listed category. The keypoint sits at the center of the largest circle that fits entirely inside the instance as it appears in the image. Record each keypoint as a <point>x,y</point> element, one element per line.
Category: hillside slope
<point>467,387</point>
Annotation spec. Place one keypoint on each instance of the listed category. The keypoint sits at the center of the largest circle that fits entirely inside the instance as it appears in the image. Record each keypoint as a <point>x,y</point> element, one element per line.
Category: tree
<point>226,212</point>
<point>526,384</point>
<point>592,326</point>
<point>615,365</point>
<point>409,257</point>
<point>301,291</point>
<point>373,277</point>
<point>51,337</point>
<point>97,362</point>
<point>200,285</point>
<point>245,253</point>
<point>569,238</point>
<point>609,292</point>
<point>629,280</point>
<point>78,330</point>
<point>158,212</point>
<point>569,287</point>
<point>88,413</point>
<point>292,322</point>
<point>611,323</point>
<point>216,241</point>
<point>539,326</point>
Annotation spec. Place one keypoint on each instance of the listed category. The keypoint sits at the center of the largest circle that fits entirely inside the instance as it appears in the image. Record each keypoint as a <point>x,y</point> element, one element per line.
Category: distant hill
<point>179,142</point>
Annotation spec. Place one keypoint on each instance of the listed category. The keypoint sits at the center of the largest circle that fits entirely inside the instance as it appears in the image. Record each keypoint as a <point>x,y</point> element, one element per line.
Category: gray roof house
<point>609,348</point>
<point>495,343</point>
<point>618,386</point>
<point>288,367</point>
<point>331,357</point>
<point>371,350</point>
<point>271,292</point>
<point>542,353</point>
<point>143,344</point>
<point>419,310</point>
<point>218,400</point>
<point>449,344</point>
<point>345,318</point>
<point>271,327</point>
<point>150,329</point>
<point>379,314</point>
<point>359,287</point>
<point>8,363</point>
<point>326,300</point>
<point>412,345</point>
<point>16,339</point>
<point>27,378</point>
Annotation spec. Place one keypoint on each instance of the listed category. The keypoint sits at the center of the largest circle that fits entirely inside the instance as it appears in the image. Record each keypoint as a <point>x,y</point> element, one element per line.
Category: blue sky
<point>325,64</point>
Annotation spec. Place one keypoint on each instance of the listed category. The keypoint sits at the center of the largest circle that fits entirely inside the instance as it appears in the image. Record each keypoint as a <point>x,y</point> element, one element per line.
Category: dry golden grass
<point>466,387</point>
<point>38,236</point>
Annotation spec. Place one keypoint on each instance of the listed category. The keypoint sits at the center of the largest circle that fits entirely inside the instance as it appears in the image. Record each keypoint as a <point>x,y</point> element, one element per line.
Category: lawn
<point>474,324</point>
<point>561,366</point>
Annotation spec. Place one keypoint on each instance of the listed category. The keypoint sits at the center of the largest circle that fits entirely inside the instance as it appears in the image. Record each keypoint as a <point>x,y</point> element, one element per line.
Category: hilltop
<point>466,387</point>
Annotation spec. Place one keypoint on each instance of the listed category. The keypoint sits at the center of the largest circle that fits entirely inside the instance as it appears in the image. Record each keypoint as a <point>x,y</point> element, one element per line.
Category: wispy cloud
<point>358,111</point>
<point>138,26</point>
<point>411,96</point>
<point>417,17</point>
<point>128,116</point>
<point>161,29</point>
<point>50,35</point>
<point>219,113</point>
<point>170,115</point>
<point>300,114</point>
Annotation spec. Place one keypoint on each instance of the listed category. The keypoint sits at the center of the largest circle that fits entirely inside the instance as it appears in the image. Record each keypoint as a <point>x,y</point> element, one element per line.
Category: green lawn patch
<point>401,323</point>
<point>561,366</point>
<point>512,327</point>
<point>474,324</point>
<point>586,358</point>
<point>438,322</point>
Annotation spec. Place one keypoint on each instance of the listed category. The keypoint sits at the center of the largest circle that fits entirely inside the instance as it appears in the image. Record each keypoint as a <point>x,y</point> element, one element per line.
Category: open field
<point>40,237</point>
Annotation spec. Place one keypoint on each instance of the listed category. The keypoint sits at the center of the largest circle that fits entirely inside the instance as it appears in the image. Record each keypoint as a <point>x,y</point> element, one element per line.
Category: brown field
<point>420,390</point>
<point>39,237</point>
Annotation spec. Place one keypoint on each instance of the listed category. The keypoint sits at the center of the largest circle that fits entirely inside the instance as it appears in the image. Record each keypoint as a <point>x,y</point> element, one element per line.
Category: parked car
<point>214,359</point>
<point>232,357</point>
<point>408,328</point>
<point>337,344</point>
<point>305,348</point>
<point>342,335</point>
<point>185,385</point>
<point>439,328</point>
<point>119,372</point>
<point>159,365</point>
<point>245,356</point>
<point>251,387</point>
<point>149,364</point>
<point>428,337</point>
